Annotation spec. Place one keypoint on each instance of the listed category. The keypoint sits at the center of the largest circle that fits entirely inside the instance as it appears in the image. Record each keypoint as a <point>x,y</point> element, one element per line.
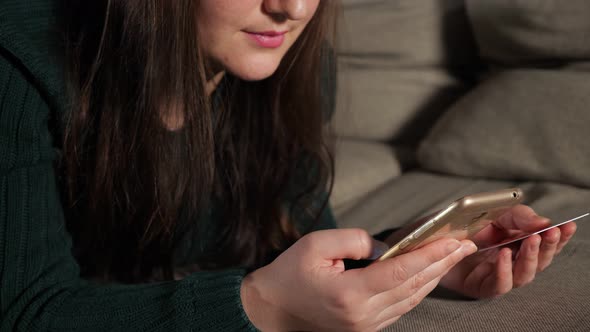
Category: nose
<point>287,9</point>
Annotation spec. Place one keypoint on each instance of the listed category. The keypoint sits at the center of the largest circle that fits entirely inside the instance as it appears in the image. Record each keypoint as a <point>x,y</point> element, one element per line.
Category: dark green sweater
<point>40,285</point>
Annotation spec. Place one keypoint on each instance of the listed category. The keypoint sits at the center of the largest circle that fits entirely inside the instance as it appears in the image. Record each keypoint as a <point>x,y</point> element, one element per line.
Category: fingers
<point>489,235</point>
<point>417,267</point>
<point>525,266</point>
<point>491,277</point>
<point>498,273</point>
<point>523,218</point>
<point>548,248</point>
<point>503,279</point>
<point>387,323</point>
<point>544,248</point>
<point>399,308</point>
<point>567,232</point>
<point>498,276</point>
<point>353,243</point>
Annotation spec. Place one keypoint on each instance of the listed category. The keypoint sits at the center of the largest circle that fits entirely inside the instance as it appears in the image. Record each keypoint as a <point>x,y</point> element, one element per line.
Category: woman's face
<point>250,37</point>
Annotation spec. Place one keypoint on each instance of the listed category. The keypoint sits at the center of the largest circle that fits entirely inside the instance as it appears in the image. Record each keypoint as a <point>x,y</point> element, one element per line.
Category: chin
<point>255,68</point>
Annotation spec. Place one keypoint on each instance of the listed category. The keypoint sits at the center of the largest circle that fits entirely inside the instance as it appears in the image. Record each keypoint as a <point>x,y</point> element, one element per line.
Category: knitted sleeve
<point>40,285</point>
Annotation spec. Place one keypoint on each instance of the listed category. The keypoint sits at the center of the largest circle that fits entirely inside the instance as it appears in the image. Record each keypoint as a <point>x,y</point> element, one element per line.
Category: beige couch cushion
<point>557,300</point>
<point>531,32</point>
<point>561,290</point>
<point>397,64</point>
<point>418,193</point>
<point>361,167</point>
<point>384,104</point>
<point>521,124</point>
<point>407,32</point>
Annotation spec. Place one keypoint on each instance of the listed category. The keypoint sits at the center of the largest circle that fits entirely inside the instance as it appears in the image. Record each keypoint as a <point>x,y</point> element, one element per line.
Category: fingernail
<point>379,248</point>
<point>452,246</point>
<point>546,221</point>
<point>469,248</point>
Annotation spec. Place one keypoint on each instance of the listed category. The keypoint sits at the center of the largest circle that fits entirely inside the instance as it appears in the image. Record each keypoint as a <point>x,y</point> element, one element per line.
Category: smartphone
<point>460,220</point>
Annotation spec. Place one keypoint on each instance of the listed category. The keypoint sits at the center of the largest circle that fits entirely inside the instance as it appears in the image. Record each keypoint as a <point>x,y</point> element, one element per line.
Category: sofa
<point>438,99</point>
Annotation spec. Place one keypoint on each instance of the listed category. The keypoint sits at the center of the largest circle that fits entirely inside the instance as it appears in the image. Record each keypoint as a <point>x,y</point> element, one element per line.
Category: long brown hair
<point>136,189</point>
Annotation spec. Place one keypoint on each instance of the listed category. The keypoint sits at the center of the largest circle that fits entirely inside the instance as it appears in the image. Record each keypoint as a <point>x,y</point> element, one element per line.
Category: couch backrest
<point>401,63</point>
<point>528,117</point>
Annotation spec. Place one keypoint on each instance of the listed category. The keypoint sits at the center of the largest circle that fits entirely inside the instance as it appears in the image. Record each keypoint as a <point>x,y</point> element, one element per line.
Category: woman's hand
<point>307,287</point>
<point>495,272</point>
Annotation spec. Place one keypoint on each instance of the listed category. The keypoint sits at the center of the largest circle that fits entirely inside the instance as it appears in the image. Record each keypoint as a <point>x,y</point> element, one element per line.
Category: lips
<point>267,39</point>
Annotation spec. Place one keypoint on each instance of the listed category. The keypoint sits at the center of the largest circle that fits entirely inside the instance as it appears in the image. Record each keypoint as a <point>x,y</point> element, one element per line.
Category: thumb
<point>352,243</point>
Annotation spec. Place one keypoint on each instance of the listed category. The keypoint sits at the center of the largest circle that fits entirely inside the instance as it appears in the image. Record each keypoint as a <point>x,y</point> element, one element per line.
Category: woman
<point>192,153</point>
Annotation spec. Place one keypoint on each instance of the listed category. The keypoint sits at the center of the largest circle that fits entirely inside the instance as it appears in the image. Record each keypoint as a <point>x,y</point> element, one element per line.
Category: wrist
<point>264,312</point>
<point>250,298</point>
